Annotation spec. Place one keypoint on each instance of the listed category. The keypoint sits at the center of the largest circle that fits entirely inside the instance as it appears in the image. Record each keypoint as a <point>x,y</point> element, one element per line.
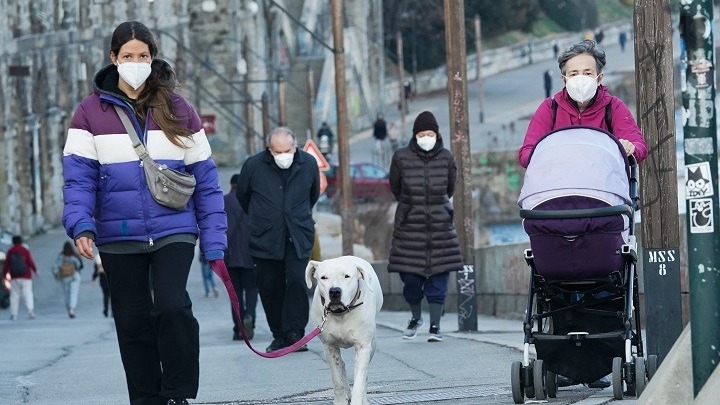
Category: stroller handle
<point>579,213</point>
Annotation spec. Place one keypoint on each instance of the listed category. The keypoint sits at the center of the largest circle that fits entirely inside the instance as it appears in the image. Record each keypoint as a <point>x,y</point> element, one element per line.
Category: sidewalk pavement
<point>56,360</point>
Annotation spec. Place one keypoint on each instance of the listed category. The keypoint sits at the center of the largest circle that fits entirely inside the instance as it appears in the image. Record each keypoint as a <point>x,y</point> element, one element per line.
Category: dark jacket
<point>238,251</point>
<point>424,239</point>
<point>277,207</point>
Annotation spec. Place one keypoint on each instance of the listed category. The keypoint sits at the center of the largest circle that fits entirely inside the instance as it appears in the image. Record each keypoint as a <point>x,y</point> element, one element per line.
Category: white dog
<point>347,298</point>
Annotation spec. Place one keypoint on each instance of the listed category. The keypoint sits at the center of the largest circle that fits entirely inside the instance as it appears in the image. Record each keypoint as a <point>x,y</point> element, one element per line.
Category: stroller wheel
<point>551,384</point>
<point>617,379</point>
<point>651,365</point>
<point>640,376</point>
<point>516,382</point>
<point>539,379</point>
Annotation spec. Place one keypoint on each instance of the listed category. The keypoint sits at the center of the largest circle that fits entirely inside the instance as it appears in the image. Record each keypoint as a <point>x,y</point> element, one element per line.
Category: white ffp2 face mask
<point>134,73</point>
<point>426,143</point>
<point>284,160</point>
<point>581,88</point>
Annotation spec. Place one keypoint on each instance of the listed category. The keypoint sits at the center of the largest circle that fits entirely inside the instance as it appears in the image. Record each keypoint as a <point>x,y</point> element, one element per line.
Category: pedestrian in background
<point>547,82</point>
<point>584,101</point>
<point>278,188</point>
<point>67,270</point>
<point>622,39</point>
<point>325,139</point>
<point>239,262</point>
<point>20,266</point>
<point>145,246</point>
<point>101,277</point>
<point>208,278</point>
<point>425,246</point>
<point>393,136</point>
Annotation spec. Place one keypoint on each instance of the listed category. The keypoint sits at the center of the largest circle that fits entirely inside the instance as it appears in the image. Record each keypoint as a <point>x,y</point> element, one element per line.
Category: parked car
<point>369,181</point>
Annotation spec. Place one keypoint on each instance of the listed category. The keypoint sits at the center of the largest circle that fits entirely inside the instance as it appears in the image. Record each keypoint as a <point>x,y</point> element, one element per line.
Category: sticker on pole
<point>698,181</point>
<point>701,215</point>
<point>311,148</point>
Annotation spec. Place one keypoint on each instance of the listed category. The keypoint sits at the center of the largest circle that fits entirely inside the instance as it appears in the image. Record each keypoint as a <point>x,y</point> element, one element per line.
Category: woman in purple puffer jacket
<point>584,101</point>
<point>146,248</point>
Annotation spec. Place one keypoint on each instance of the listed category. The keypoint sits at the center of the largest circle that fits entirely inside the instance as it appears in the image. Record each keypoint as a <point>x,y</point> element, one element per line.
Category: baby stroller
<point>577,203</point>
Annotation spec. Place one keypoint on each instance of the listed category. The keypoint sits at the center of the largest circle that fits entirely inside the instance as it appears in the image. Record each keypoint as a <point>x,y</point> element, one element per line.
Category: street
<point>57,360</point>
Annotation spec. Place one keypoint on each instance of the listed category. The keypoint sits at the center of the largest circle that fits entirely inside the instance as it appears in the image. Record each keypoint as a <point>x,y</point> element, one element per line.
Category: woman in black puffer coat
<point>425,245</point>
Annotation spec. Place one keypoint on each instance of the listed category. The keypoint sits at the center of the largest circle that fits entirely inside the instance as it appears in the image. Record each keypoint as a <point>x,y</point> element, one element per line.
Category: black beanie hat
<point>424,122</point>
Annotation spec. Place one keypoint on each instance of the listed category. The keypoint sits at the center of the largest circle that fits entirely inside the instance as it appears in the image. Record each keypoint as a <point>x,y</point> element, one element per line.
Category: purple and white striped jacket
<point>106,192</point>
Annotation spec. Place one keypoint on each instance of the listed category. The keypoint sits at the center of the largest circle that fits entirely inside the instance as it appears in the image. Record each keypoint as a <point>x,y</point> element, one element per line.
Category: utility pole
<point>380,50</point>
<point>249,116</point>
<point>401,83</point>
<point>311,101</point>
<point>658,194</point>
<point>701,173</point>
<point>460,140</point>
<point>282,112</point>
<point>343,128</point>
<point>265,102</point>
<point>478,50</point>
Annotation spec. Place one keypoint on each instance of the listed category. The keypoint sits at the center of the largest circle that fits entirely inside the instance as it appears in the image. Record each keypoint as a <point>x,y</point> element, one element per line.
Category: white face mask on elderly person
<point>426,142</point>
<point>581,88</point>
<point>284,160</point>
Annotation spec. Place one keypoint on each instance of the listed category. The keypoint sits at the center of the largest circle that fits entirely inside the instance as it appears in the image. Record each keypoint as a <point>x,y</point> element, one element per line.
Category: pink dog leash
<point>219,268</point>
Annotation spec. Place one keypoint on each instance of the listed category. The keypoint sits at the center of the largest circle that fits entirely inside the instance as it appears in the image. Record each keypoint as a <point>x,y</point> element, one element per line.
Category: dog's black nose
<point>335,293</point>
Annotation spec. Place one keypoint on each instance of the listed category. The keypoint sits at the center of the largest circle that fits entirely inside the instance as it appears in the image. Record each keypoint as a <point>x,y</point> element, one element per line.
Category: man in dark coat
<point>425,245</point>
<point>278,188</point>
<point>239,262</point>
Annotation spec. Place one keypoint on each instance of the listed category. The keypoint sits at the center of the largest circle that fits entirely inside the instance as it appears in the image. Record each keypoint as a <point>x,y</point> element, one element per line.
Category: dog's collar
<point>345,308</point>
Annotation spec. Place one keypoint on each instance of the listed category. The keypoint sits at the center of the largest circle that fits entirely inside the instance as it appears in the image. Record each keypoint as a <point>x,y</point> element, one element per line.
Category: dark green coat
<point>424,238</point>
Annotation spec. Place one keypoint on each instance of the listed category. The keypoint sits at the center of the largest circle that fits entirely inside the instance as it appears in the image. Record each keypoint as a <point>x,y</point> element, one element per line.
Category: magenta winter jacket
<point>623,123</point>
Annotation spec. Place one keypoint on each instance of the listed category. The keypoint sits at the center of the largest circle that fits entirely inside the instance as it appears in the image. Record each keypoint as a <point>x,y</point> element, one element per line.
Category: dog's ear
<point>310,272</point>
<point>365,276</point>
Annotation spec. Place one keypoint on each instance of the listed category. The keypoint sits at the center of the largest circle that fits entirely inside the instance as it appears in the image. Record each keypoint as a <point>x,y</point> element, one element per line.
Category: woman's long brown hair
<point>157,95</point>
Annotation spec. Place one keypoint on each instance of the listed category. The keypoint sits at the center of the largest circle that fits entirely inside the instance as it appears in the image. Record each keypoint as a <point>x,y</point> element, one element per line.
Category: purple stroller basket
<point>575,197</point>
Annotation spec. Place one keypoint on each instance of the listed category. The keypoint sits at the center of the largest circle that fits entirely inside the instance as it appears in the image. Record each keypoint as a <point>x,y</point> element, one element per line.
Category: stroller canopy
<point>576,161</point>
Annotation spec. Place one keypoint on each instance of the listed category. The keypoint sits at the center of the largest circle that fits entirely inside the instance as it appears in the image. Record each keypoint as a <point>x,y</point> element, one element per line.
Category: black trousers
<point>103,281</point>
<point>157,332</point>
<point>243,281</point>
<point>283,293</point>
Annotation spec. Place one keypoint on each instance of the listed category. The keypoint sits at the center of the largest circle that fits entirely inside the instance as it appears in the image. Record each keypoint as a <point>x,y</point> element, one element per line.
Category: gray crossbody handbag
<point>168,187</point>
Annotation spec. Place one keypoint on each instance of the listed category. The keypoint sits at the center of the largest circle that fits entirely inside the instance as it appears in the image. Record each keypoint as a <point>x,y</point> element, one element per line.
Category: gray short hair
<point>585,47</point>
<point>284,131</point>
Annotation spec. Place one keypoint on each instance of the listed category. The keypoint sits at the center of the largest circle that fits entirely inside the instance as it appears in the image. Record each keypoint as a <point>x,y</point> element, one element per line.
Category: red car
<point>369,181</point>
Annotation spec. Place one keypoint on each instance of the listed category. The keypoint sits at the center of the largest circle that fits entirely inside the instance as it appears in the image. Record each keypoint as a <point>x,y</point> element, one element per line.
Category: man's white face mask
<point>581,88</point>
<point>426,143</point>
<point>284,160</point>
<point>134,73</point>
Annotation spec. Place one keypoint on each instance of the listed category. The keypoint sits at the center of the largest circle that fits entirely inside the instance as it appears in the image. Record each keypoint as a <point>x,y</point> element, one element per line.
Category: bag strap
<point>137,145</point>
<point>220,269</point>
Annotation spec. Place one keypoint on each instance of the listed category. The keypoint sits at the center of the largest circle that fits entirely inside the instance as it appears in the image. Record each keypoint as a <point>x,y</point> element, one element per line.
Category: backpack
<point>608,115</point>
<point>67,269</point>
<point>18,267</point>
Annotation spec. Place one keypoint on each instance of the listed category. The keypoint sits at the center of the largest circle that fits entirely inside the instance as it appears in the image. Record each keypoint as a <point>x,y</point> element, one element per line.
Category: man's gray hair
<point>282,131</point>
<point>585,47</point>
